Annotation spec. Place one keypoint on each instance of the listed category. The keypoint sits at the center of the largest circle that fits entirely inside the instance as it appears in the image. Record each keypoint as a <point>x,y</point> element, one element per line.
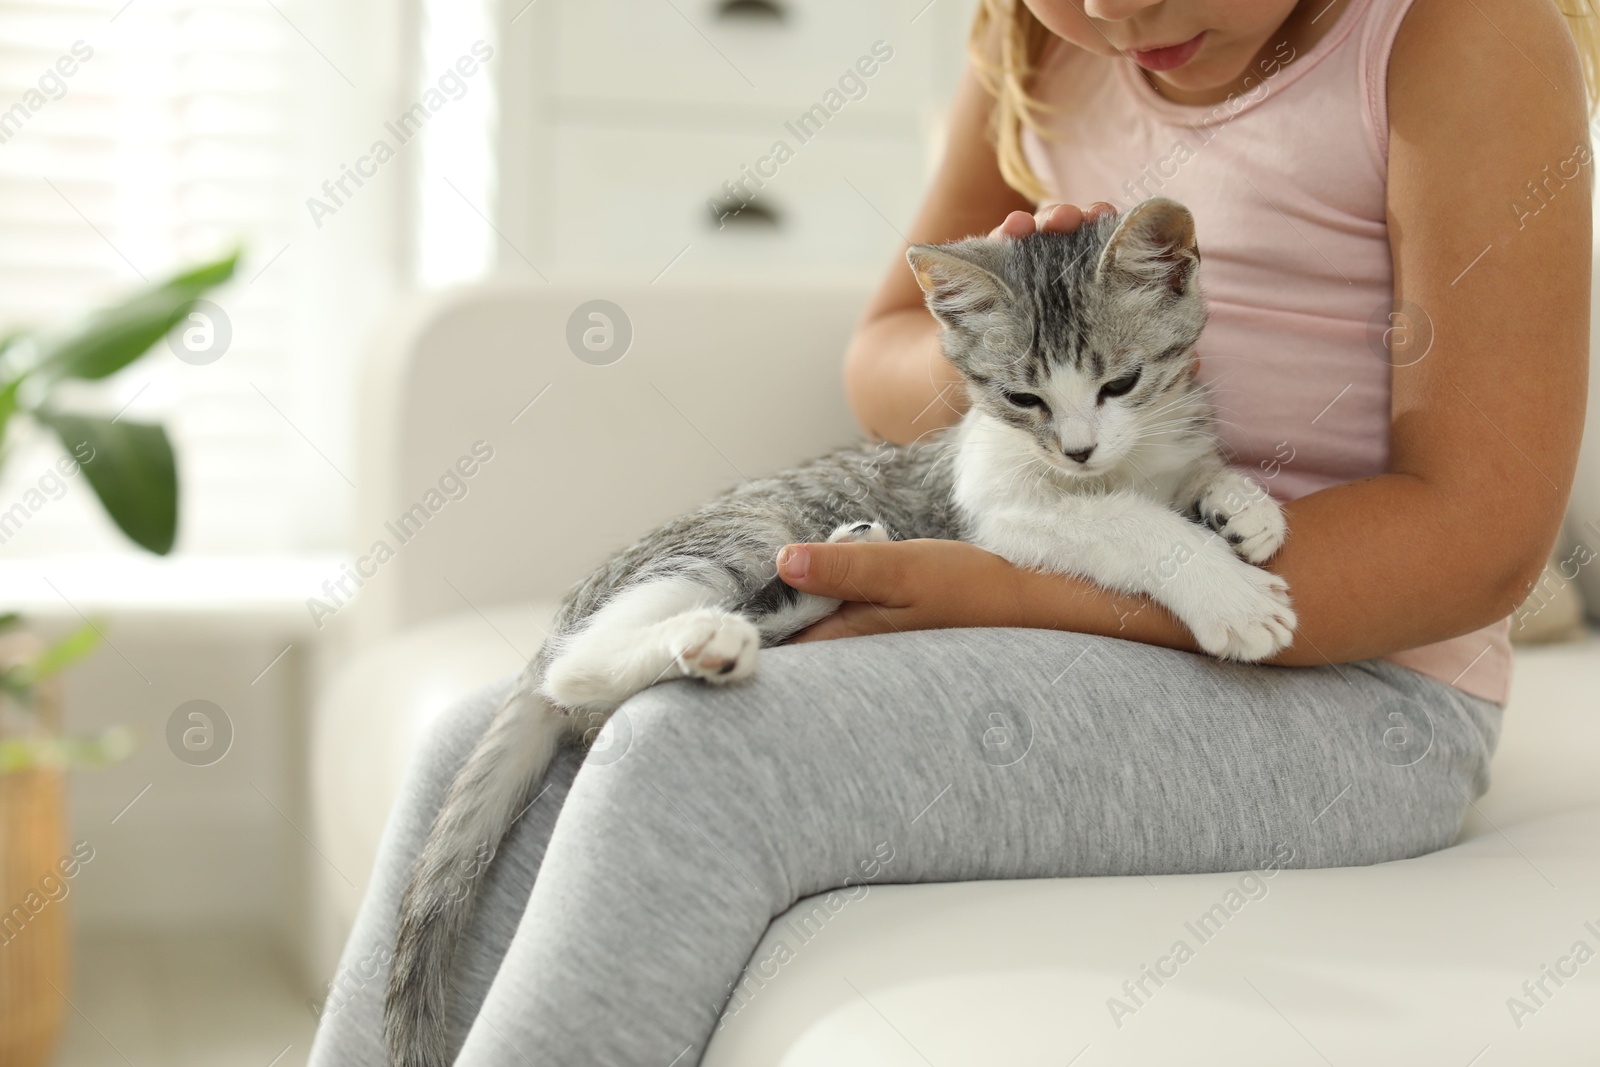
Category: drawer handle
<point>752,216</point>
<point>751,11</point>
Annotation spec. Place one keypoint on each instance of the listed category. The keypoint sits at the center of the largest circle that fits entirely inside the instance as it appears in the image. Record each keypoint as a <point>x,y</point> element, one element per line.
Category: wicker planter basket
<point>33,943</point>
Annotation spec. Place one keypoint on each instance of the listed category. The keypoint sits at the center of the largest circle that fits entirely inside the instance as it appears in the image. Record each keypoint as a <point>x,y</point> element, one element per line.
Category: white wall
<point>201,846</point>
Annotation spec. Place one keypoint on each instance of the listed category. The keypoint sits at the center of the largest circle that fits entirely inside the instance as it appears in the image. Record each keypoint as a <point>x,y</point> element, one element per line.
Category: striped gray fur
<point>907,489</point>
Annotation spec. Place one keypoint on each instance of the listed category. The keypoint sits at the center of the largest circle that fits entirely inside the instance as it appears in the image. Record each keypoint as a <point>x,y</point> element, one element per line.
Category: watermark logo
<point>342,988</point>
<point>199,733</point>
<point>453,485</point>
<point>50,85</point>
<point>798,927</point>
<point>52,888</point>
<point>49,487</point>
<point>608,740</point>
<point>203,335</point>
<point>1551,581</point>
<point>1537,991</point>
<point>1153,178</point>
<point>1404,732</point>
<point>1549,183</point>
<point>1251,886</point>
<point>1400,333</point>
<point>1001,736</point>
<point>599,332</point>
<point>450,86</point>
<point>739,194</point>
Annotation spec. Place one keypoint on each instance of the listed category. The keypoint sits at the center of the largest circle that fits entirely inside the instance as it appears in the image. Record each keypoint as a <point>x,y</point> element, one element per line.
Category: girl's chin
<point>1204,75</point>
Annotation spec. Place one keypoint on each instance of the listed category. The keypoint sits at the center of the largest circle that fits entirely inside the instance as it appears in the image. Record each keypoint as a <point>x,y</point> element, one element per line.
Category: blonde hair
<point>1584,25</point>
<point>1007,41</point>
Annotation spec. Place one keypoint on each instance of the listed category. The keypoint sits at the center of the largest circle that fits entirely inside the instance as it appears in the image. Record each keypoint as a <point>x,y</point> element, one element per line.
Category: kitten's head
<point>1081,341</point>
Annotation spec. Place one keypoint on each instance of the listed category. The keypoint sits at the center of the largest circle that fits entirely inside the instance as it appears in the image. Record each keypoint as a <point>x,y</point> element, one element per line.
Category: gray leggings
<point>963,754</point>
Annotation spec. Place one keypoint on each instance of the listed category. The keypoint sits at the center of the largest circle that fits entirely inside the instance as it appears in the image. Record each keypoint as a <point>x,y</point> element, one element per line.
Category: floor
<point>200,1000</point>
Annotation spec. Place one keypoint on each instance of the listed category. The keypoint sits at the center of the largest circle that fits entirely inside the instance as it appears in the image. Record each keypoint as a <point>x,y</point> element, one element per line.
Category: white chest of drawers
<point>720,138</point>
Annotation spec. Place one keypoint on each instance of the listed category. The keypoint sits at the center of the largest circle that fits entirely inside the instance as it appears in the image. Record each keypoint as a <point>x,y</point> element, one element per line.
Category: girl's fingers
<point>1059,218</point>
<point>1050,218</point>
<point>1017,224</point>
<point>868,572</point>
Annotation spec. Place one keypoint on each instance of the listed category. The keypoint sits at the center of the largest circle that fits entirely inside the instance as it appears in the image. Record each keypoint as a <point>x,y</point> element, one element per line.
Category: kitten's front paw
<point>854,532</point>
<point>714,645</point>
<point>1245,616</point>
<point>1245,516</point>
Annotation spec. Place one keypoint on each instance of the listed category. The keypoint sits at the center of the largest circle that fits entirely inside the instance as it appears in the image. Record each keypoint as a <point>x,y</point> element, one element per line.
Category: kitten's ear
<point>961,280</point>
<point>1153,246</point>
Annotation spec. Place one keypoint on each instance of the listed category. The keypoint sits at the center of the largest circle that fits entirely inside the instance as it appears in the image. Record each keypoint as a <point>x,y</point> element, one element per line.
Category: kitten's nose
<point>1083,456</point>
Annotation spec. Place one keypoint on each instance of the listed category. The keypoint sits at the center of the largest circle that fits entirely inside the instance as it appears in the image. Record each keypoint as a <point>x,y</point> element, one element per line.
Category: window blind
<point>135,139</point>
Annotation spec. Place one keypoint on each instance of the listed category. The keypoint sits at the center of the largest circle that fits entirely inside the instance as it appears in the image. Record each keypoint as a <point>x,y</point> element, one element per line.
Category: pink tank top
<point>1287,184</point>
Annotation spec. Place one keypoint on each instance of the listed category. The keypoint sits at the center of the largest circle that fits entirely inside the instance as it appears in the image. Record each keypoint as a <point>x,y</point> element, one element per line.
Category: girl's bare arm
<point>1484,429</point>
<point>899,386</point>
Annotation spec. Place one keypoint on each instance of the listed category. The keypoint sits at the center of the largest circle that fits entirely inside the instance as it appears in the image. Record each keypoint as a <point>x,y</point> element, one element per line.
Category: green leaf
<point>120,334</point>
<point>19,679</point>
<point>65,652</point>
<point>207,275</point>
<point>8,619</point>
<point>14,683</point>
<point>69,752</point>
<point>8,404</point>
<point>131,469</point>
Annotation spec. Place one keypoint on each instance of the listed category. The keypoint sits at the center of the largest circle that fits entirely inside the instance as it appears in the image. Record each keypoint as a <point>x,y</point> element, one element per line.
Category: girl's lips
<point>1170,57</point>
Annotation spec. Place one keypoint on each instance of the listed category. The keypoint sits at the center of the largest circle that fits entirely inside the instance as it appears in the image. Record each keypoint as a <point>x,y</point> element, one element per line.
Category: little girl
<point>1393,202</point>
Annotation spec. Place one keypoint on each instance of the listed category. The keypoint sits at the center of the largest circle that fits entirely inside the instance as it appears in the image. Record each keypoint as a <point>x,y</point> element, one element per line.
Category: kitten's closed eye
<point>1026,400</point>
<point>1120,386</point>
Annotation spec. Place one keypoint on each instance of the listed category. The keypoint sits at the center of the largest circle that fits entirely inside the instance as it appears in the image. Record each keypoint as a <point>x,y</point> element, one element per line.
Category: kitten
<point>1086,451</point>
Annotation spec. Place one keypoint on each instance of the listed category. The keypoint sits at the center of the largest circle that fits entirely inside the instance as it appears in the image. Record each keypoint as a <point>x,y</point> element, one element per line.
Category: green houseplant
<point>130,467</point>
<point>133,472</point>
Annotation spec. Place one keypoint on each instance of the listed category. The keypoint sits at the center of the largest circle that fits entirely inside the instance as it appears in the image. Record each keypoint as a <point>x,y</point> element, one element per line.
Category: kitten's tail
<point>487,796</point>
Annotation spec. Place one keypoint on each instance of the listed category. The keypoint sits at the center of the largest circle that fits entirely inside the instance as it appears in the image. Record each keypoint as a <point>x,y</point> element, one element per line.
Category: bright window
<point>184,127</point>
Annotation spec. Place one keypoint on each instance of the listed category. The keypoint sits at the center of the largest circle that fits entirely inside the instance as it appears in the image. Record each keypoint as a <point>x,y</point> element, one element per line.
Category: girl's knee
<point>687,723</point>
<point>446,738</point>
<point>678,751</point>
<point>670,725</point>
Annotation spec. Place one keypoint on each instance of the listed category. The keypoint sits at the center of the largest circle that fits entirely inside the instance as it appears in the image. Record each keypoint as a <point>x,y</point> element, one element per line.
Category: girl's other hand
<point>904,585</point>
<point>1050,218</point>
<point>895,586</point>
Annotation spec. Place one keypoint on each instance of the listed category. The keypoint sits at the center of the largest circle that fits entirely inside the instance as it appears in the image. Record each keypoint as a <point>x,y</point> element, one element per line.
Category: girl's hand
<point>889,586</point>
<point>1050,218</point>
<point>904,585</point>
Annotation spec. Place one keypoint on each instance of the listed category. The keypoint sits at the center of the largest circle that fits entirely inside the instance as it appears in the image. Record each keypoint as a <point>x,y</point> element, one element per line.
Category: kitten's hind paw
<point>854,532</point>
<point>713,645</point>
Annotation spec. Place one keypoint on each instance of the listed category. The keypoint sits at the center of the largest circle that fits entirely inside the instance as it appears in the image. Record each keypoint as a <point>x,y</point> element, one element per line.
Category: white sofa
<point>1407,963</point>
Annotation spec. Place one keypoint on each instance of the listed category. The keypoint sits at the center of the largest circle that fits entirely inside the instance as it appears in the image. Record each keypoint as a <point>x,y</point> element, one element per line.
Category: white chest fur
<point>999,469</point>
<point>1124,529</point>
